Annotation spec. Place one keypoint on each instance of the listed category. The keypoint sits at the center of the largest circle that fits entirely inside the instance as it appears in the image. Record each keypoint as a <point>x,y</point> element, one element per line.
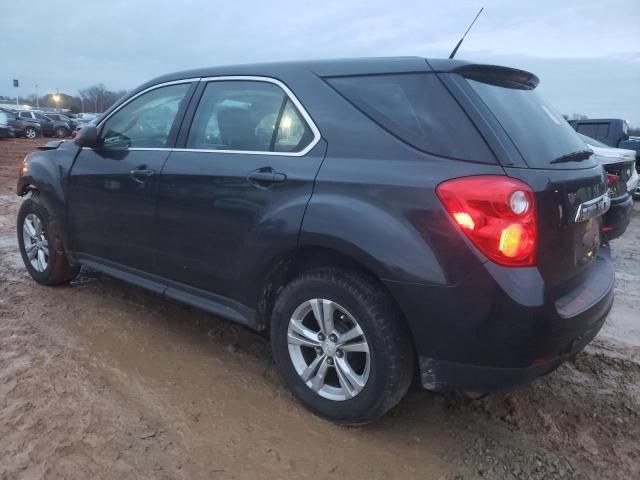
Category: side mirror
<point>88,137</point>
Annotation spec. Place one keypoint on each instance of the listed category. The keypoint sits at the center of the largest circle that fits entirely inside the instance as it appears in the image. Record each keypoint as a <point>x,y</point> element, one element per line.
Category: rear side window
<point>599,131</point>
<point>417,109</point>
<point>247,116</point>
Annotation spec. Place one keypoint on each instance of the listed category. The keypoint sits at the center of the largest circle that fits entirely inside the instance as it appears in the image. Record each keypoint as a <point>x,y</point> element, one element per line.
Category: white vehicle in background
<point>618,155</point>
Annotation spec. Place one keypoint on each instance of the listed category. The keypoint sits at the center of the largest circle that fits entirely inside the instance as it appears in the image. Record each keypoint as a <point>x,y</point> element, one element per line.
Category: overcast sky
<point>586,53</point>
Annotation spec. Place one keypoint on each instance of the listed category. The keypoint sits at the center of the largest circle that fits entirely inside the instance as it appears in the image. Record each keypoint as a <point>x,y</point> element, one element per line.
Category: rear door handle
<point>141,174</point>
<point>266,176</point>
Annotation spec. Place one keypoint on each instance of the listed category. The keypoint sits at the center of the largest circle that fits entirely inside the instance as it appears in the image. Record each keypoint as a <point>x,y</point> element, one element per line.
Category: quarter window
<point>146,121</point>
<point>247,115</point>
<point>417,109</point>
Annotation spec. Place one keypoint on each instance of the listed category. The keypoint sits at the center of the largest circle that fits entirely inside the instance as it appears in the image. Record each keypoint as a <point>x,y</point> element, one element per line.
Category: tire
<point>383,374</point>
<point>61,132</point>
<point>30,133</point>
<point>39,230</point>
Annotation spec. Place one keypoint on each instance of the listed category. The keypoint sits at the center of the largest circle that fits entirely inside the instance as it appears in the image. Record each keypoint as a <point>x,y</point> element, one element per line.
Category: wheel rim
<point>36,244</point>
<point>328,349</point>
<point>61,133</point>
<point>31,133</point>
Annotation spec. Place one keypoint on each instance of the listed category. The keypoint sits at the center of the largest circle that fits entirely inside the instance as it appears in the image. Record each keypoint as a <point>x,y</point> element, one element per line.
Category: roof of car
<point>324,68</point>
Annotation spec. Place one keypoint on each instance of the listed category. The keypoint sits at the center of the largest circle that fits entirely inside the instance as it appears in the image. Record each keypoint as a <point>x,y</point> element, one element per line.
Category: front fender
<point>47,172</point>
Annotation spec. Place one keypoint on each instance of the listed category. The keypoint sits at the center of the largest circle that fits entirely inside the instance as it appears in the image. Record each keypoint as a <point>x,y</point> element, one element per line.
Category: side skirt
<point>196,297</point>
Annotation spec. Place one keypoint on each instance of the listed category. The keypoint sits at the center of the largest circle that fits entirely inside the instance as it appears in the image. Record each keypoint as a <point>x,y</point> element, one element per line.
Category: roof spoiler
<point>500,76</point>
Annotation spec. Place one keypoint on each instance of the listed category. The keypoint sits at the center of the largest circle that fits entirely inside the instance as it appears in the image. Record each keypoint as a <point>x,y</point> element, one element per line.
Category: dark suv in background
<point>381,217</point>
<point>22,127</point>
<point>50,127</point>
<point>63,118</point>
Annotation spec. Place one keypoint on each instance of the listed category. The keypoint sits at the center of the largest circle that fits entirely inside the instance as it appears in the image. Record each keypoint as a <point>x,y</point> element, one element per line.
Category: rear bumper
<point>617,219</point>
<point>500,329</point>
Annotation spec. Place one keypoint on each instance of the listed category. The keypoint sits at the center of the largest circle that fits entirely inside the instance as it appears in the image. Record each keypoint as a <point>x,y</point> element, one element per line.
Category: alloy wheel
<point>30,133</point>
<point>36,244</point>
<point>328,349</point>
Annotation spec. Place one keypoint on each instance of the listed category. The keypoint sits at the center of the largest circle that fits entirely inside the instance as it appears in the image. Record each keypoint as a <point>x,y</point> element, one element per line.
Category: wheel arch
<point>43,179</point>
<point>281,270</point>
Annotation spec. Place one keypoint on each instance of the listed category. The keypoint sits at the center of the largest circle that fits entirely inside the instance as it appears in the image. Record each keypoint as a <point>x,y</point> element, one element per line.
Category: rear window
<point>417,109</point>
<point>599,131</point>
<point>540,134</point>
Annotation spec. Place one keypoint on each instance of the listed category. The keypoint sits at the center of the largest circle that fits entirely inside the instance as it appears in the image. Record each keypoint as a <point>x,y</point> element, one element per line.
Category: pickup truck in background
<point>610,131</point>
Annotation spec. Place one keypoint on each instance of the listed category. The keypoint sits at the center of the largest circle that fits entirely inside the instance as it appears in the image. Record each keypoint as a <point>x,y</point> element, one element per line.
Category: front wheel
<point>41,247</point>
<point>341,345</point>
<point>62,132</point>
<point>30,133</point>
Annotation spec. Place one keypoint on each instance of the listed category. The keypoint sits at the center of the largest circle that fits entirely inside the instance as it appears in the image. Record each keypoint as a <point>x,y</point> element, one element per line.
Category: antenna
<point>455,50</point>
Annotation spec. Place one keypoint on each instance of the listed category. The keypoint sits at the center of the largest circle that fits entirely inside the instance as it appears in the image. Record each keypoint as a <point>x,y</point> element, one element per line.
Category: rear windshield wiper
<point>574,156</point>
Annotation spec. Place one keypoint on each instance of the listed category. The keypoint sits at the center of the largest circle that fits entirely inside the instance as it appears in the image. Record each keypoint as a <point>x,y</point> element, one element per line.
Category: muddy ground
<point>104,380</point>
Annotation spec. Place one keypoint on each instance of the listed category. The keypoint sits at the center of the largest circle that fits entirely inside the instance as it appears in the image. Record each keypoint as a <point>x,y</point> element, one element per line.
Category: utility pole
<point>16,84</point>
<point>37,100</point>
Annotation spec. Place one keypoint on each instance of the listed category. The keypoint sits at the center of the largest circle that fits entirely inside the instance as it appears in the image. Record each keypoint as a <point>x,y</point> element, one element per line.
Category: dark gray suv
<point>385,219</point>
<point>51,127</point>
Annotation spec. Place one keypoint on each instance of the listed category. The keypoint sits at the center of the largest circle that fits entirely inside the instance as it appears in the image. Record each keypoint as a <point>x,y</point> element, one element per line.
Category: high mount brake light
<point>498,215</point>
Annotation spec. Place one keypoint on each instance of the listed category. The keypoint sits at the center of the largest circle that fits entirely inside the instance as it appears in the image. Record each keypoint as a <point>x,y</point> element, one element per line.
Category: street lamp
<point>56,98</point>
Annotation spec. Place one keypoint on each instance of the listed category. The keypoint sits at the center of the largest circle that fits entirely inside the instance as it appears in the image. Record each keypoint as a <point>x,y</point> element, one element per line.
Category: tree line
<point>94,99</point>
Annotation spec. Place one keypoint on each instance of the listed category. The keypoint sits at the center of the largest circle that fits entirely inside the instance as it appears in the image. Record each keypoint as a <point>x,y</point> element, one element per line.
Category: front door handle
<point>265,176</point>
<point>141,174</point>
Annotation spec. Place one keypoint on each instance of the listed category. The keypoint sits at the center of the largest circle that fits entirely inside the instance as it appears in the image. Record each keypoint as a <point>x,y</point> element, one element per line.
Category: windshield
<point>539,133</point>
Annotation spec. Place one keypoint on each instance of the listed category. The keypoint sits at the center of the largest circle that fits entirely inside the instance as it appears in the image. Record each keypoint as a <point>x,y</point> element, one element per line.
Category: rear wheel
<point>41,247</point>
<point>341,345</point>
<point>30,133</point>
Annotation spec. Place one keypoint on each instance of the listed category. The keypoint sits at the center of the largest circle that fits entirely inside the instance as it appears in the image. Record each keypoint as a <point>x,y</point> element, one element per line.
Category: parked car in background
<point>613,132</point>
<point>5,130</point>
<point>85,117</point>
<point>333,203</point>
<point>63,118</point>
<point>50,127</point>
<point>22,127</point>
<point>622,179</point>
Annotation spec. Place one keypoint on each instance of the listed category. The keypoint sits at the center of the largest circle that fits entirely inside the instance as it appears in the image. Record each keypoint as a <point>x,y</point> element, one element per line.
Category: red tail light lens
<point>612,179</point>
<point>498,215</point>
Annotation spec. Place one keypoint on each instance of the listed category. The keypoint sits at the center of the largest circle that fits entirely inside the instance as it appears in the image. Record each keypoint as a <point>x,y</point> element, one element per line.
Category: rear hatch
<point>546,153</point>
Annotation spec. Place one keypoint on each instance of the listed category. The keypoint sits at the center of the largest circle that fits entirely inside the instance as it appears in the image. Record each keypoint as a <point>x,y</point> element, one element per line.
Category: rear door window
<point>417,109</point>
<point>247,116</point>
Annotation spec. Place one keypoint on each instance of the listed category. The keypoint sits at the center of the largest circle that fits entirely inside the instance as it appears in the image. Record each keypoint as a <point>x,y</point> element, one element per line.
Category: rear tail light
<point>612,179</point>
<point>498,215</point>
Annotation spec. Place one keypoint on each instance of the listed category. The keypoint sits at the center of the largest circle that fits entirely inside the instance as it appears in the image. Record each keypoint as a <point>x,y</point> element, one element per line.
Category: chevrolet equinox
<point>386,219</point>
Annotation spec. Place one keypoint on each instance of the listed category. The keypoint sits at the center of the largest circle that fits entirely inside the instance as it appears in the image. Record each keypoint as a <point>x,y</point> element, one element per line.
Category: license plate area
<point>592,208</point>
<point>587,241</point>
